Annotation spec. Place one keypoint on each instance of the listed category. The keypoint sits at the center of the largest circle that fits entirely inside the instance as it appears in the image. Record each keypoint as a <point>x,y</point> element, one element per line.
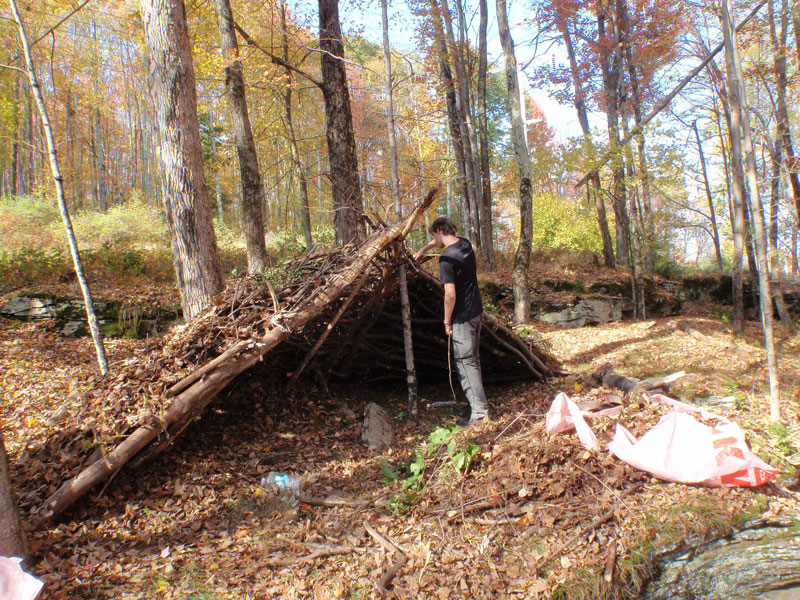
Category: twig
<point>606,516</point>
<point>389,546</point>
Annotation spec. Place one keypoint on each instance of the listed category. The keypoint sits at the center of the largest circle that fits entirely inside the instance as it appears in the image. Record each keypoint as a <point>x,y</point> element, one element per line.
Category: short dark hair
<point>445,225</point>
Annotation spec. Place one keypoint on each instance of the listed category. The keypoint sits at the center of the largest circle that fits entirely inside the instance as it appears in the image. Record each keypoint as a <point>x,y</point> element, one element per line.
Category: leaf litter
<point>533,515</point>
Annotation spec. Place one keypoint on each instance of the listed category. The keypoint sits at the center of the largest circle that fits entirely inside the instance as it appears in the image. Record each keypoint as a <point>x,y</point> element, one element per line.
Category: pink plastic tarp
<point>678,448</point>
<point>16,584</point>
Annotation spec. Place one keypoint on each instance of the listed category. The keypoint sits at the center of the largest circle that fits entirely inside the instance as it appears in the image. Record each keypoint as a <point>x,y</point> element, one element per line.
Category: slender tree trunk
<point>442,17</point>
<point>637,233</point>
<point>215,162</point>
<point>302,172</point>
<point>519,275</point>
<point>99,156</point>
<point>347,197</point>
<point>711,212</point>
<point>405,306</point>
<point>252,216</point>
<point>12,532</point>
<point>773,257</point>
<point>59,185</point>
<point>781,112</point>
<point>15,142</point>
<point>734,65</point>
<point>583,119</point>
<point>647,223</point>
<point>733,116</point>
<point>452,113</point>
<point>487,234</point>
<point>612,71</point>
<point>185,195</point>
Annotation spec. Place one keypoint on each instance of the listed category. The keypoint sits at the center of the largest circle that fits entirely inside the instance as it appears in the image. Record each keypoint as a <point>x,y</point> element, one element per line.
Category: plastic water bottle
<point>282,482</point>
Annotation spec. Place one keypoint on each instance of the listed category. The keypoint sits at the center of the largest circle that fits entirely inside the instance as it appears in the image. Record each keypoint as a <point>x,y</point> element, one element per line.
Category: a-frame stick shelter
<point>306,321</point>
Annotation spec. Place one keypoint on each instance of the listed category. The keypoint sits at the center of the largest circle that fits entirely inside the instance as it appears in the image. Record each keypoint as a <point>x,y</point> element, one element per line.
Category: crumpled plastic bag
<point>565,415</point>
<point>678,448</point>
<point>16,584</point>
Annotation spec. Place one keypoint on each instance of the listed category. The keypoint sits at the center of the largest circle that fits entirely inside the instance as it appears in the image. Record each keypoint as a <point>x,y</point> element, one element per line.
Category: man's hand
<point>421,252</point>
<point>448,329</point>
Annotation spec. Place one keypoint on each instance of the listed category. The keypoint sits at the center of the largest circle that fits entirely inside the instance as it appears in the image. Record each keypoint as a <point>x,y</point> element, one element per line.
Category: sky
<point>364,18</point>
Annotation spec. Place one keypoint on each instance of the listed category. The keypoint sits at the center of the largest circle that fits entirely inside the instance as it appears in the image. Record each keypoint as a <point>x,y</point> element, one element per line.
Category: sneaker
<point>468,422</point>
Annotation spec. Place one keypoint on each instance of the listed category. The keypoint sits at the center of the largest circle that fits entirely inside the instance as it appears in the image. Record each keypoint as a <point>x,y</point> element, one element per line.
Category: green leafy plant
<point>441,455</point>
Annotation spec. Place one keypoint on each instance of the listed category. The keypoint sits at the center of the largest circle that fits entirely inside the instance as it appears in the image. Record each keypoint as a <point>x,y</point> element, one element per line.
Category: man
<point>462,310</point>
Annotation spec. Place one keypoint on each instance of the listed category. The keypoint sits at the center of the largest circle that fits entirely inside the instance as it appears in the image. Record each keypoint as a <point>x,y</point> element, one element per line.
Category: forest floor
<point>531,516</point>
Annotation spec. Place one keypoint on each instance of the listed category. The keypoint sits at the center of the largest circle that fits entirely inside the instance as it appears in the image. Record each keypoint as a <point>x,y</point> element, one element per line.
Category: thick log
<point>195,398</point>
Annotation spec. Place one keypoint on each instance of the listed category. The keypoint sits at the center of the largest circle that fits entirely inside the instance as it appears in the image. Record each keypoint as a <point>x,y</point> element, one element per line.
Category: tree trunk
<point>487,234</point>
<point>463,82</point>
<point>15,143</point>
<point>348,208</point>
<point>62,202</point>
<point>302,172</point>
<point>252,217</point>
<point>580,107</point>
<point>185,195</point>
<point>452,113</point>
<point>519,275</point>
<point>733,116</point>
<point>611,65</point>
<point>405,306</point>
<point>781,111</point>
<point>711,213</point>
<point>734,66</point>
<point>442,18</point>
<point>215,163</point>
<point>12,533</point>
<point>647,224</point>
<point>101,203</point>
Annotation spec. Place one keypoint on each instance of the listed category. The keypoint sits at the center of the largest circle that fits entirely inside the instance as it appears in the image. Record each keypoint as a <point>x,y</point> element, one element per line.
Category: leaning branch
<point>637,129</point>
<point>191,401</point>
<point>275,58</point>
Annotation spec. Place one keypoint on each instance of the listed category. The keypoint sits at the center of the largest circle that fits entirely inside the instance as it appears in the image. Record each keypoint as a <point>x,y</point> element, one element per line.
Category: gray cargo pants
<point>466,352</point>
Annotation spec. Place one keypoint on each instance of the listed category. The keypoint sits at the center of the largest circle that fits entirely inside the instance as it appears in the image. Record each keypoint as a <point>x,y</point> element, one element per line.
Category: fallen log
<point>606,377</point>
<point>191,401</point>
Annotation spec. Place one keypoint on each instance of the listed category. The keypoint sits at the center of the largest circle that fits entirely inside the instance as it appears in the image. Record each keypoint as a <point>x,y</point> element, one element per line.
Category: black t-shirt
<point>457,265</point>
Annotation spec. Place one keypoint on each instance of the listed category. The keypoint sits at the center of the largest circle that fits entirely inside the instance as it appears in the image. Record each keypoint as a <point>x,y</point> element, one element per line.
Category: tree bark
<point>711,212</point>
<point>252,201</point>
<point>781,111</point>
<point>733,117</point>
<point>487,234</point>
<point>452,113</point>
<point>185,195</point>
<point>734,66</point>
<point>405,306</point>
<point>302,172</point>
<point>12,533</point>
<point>58,181</point>
<point>611,65</point>
<point>647,223</point>
<point>348,203</point>
<point>519,275</point>
<point>469,140</point>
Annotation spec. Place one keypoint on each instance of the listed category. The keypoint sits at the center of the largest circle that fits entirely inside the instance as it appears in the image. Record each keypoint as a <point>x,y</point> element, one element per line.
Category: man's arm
<point>421,252</point>
<point>449,305</point>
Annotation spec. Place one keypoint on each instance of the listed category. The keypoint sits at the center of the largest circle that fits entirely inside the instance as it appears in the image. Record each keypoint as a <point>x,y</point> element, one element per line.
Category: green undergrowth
<point>442,456</point>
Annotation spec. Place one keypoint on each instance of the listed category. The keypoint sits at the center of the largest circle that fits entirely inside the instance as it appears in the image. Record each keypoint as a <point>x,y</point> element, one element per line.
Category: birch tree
<point>59,185</point>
